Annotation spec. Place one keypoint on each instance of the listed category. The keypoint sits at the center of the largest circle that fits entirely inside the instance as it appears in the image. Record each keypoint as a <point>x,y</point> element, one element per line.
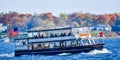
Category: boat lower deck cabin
<point>56,45</point>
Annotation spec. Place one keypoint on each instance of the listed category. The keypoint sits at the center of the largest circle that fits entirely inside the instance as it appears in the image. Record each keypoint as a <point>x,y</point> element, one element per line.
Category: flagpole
<point>8,31</point>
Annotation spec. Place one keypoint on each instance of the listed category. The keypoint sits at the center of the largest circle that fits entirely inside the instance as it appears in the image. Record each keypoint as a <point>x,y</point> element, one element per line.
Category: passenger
<point>45,36</point>
<point>55,45</point>
<point>42,36</point>
<point>39,36</point>
<point>55,35</point>
<point>32,47</point>
<point>61,34</point>
<point>69,34</point>
<point>64,34</point>
<point>51,35</point>
<point>35,36</point>
<point>72,43</point>
<point>62,46</point>
<point>23,43</point>
<point>39,46</point>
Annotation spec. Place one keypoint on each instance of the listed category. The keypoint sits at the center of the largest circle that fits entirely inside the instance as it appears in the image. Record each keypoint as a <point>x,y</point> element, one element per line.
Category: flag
<point>13,32</point>
<point>100,34</point>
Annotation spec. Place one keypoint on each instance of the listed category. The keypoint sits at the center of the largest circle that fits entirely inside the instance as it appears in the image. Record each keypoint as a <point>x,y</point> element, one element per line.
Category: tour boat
<point>57,41</point>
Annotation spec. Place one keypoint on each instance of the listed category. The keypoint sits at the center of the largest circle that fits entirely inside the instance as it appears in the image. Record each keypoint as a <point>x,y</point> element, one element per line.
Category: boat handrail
<point>40,37</point>
<point>67,28</point>
<point>51,41</point>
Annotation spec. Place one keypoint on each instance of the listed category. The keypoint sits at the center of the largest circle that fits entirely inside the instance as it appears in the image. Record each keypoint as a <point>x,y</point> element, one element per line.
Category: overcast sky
<point>60,6</point>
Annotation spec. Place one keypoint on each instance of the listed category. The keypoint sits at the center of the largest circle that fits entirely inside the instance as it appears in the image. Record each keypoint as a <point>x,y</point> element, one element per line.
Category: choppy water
<point>111,51</point>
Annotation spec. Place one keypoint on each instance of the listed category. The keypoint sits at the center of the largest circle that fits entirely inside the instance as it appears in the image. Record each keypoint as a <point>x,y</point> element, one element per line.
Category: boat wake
<point>94,52</point>
<point>63,54</point>
<point>7,55</point>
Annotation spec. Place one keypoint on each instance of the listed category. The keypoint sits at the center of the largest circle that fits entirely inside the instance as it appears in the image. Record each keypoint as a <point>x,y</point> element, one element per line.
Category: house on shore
<point>2,28</point>
<point>101,27</point>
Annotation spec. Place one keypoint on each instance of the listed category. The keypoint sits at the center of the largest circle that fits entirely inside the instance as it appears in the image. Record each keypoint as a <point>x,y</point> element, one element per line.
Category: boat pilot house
<point>56,41</point>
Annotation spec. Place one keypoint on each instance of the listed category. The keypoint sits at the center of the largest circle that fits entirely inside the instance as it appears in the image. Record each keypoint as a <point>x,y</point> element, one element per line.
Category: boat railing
<point>64,44</point>
<point>88,41</point>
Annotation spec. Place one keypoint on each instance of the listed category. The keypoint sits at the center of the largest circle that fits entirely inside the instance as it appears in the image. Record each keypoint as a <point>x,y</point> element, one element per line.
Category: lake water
<point>111,51</point>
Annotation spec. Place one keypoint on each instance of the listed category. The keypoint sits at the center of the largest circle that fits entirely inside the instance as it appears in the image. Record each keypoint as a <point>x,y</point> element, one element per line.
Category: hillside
<point>48,20</point>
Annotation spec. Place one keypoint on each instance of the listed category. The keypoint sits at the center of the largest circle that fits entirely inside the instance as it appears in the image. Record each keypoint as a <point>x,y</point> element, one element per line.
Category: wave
<point>7,55</point>
<point>94,52</point>
<point>63,54</point>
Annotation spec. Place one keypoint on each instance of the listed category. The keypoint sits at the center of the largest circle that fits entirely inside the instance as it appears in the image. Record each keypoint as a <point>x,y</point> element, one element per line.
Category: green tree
<point>63,16</point>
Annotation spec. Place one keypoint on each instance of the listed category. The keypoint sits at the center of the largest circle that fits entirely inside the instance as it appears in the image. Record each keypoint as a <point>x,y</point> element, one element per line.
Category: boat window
<point>34,46</point>
<point>21,42</point>
<point>52,45</point>
<point>73,43</point>
<point>40,46</point>
<point>85,42</point>
<point>79,43</point>
<point>46,45</point>
<point>30,35</point>
<point>95,41</point>
<point>68,43</point>
<point>69,33</point>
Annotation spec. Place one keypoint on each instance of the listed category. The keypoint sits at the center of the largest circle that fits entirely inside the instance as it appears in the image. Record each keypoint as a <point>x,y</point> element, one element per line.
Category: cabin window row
<point>43,35</point>
<point>61,44</point>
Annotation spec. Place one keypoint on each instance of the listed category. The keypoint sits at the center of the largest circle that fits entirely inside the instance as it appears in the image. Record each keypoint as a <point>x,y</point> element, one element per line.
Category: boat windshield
<point>88,41</point>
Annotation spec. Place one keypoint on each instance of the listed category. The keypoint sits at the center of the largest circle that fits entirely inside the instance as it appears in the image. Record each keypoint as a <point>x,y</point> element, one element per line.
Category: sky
<point>61,6</point>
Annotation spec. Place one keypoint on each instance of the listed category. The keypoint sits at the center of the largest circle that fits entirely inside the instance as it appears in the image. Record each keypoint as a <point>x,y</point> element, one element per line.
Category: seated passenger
<point>32,46</point>
<point>42,36</point>
<point>51,35</point>
<point>61,34</point>
<point>39,46</point>
<point>64,34</point>
<point>55,35</point>
<point>58,34</point>
<point>69,34</point>
<point>55,45</point>
<point>35,36</point>
<point>39,36</point>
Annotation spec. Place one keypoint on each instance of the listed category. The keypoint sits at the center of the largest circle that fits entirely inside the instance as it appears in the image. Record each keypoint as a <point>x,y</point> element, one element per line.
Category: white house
<point>2,28</point>
<point>100,27</point>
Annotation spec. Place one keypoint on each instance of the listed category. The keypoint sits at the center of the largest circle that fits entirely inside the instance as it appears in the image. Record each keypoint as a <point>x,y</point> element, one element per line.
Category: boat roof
<point>67,28</point>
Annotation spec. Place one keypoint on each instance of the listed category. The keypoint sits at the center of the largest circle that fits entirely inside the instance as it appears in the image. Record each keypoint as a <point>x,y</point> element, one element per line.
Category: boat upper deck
<point>67,28</point>
<point>56,34</point>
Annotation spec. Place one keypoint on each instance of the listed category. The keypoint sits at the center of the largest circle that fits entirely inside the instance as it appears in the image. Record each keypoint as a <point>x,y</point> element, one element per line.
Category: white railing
<point>52,39</point>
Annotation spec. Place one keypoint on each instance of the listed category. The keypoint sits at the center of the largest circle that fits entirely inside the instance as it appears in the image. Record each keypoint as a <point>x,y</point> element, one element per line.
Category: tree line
<point>48,20</point>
